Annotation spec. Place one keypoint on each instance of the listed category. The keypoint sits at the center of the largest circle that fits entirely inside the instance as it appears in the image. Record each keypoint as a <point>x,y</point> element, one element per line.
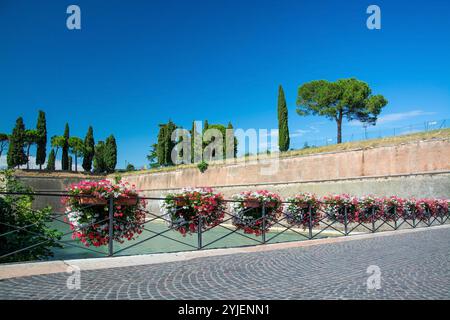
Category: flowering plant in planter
<point>88,212</point>
<point>183,210</point>
<point>430,208</point>
<point>393,208</point>
<point>370,209</point>
<point>248,210</point>
<point>412,209</point>
<point>298,207</point>
<point>335,207</point>
<point>442,207</point>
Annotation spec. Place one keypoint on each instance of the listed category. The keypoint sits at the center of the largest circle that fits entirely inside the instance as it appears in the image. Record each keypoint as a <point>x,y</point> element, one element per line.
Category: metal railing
<point>318,223</point>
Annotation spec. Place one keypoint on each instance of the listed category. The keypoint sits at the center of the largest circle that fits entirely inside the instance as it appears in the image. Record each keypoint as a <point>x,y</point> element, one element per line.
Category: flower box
<point>93,201</point>
<point>125,201</point>
<point>252,203</point>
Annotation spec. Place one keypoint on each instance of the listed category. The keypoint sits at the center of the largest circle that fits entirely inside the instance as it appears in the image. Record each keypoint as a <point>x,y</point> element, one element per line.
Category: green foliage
<point>51,161</point>
<point>202,166</point>
<point>16,154</point>
<point>152,157</point>
<point>99,158</point>
<point>31,137</point>
<point>165,144</point>
<point>76,147</point>
<point>65,149</point>
<point>41,128</point>
<point>117,178</point>
<point>349,98</point>
<point>57,142</point>
<point>283,128</point>
<point>4,140</point>
<point>130,167</point>
<point>110,154</point>
<point>223,131</point>
<point>89,149</point>
<point>15,213</point>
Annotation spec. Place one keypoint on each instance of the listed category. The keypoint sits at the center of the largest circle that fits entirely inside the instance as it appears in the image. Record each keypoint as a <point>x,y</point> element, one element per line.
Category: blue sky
<point>135,64</point>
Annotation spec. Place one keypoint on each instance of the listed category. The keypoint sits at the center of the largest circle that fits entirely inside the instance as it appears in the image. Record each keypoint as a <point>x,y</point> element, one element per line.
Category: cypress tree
<point>169,144</point>
<point>41,129</point>
<point>161,144</point>
<point>230,126</point>
<point>99,158</point>
<point>51,161</point>
<point>65,150</point>
<point>283,129</point>
<point>89,149</point>
<point>110,154</point>
<point>16,154</point>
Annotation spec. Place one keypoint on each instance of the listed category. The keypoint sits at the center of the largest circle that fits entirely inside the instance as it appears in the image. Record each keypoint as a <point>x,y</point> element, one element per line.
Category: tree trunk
<point>76,169</point>
<point>28,156</point>
<point>339,127</point>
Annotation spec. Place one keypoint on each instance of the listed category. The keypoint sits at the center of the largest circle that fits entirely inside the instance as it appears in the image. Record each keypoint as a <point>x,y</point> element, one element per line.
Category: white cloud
<point>393,117</point>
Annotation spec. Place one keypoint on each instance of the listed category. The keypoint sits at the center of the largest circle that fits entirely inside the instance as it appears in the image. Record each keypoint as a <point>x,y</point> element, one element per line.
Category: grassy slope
<point>366,144</point>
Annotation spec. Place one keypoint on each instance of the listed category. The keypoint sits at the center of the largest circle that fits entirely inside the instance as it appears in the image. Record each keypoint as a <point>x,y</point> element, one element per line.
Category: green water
<point>73,249</point>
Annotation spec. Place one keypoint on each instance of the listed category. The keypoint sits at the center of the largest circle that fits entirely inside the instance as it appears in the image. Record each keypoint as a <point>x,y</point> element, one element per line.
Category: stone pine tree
<point>110,154</point>
<point>41,128</point>
<point>89,149</point>
<point>31,137</point>
<point>346,98</point>
<point>76,148</point>
<point>51,161</point>
<point>65,149</point>
<point>16,154</point>
<point>283,128</point>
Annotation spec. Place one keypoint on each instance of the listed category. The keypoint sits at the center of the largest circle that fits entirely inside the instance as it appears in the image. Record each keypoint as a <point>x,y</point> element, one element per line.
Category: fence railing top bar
<point>48,194</point>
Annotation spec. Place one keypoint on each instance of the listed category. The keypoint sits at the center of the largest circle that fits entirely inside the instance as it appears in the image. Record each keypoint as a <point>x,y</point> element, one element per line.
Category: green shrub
<point>202,166</point>
<point>35,237</point>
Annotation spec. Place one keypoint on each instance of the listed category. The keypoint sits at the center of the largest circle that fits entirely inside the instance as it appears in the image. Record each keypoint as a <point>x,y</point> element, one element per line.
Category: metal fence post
<point>414,218</point>
<point>395,217</point>
<point>373,219</point>
<point>199,233</point>
<point>264,223</point>
<point>111,226</point>
<point>345,221</point>
<point>310,221</point>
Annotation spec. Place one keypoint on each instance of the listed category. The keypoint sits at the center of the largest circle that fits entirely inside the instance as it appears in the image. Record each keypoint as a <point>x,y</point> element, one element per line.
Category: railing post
<point>310,221</point>
<point>111,226</point>
<point>414,218</point>
<point>395,217</point>
<point>373,219</point>
<point>345,221</point>
<point>429,217</point>
<point>264,223</point>
<point>199,233</point>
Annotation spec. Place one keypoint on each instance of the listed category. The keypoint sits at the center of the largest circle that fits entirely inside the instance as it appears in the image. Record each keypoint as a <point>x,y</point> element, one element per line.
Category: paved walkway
<point>413,265</point>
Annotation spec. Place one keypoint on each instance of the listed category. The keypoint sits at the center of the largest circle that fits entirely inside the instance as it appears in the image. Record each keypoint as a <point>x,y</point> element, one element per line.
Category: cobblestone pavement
<point>413,266</point>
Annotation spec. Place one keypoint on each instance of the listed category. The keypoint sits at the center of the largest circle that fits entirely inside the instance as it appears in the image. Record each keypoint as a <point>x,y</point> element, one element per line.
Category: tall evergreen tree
<point>65,150</point>
<point>110,155</point>
<point>99,158</point>
<point>51,161</point>
<point>89,149</point>
<point>165,143</point>
<point>16,154</point>
<point>283,128</point>
<point>230,127</point>
<point>41,128</point>
<point>196,149</point>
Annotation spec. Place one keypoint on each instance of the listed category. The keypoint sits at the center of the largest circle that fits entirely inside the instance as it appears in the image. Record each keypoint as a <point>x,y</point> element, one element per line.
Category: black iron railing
<point>313,230</point>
